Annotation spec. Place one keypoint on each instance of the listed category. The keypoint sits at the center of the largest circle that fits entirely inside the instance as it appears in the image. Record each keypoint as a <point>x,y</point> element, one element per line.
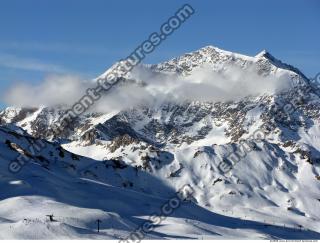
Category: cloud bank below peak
<point>203,84</point>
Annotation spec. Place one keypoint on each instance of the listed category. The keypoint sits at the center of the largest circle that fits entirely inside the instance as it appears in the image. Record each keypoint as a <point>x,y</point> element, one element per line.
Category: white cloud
<point>204,84</point>
<point>208,84</point>
<point>54,90</point>
<point>15,62</point>
<point>73,48</point>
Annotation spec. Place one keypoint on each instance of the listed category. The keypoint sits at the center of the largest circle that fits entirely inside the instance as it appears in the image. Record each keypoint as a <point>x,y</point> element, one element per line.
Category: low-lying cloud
<point>203,84</point>
<point>54,90</point>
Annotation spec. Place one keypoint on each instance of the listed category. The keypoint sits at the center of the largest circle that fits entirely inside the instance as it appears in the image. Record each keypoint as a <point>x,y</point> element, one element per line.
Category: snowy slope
<point>77,202</point>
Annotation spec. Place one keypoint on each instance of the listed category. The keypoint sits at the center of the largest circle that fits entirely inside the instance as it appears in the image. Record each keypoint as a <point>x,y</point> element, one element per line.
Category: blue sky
<point>41,37</point>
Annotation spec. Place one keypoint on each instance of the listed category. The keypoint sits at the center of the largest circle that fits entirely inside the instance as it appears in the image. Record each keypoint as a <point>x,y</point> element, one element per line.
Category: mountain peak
<point>209,48</point>
<point>217,57</point>
<point>262,53</point>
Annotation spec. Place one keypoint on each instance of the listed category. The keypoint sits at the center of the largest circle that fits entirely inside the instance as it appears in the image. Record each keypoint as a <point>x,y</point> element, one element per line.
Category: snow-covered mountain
<point>120,166</point>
